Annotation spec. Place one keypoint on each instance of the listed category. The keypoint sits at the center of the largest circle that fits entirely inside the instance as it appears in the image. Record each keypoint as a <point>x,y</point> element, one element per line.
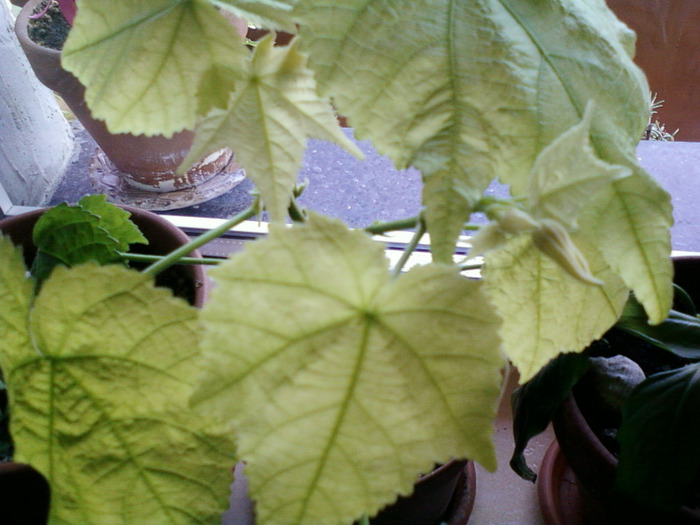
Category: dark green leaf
<point>535,403</point>
<point>659,438</point>
<point>70,235</point>
<point>683,302</point>
<point>114,220</point>
<point>94,230</point>
<point>679,333</point>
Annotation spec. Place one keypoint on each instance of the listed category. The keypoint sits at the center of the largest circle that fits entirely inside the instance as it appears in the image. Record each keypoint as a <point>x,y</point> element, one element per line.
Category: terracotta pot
<point>586,466</point>
<point>163,238</point>
<point>24,495</point>
<point>668,51</point>
<point>144,163</point>
<point>438,497</point>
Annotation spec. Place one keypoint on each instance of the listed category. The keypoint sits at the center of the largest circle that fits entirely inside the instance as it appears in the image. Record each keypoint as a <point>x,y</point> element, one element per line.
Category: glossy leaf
<point>142,62</point>
<point>678,333</point>
<point>270,115</point>
<point>471,91</point>
<point>535,403</point>
<point>345,383</point>
<point>527,288</point>
<point>110,360</point>
<point>658,439</point>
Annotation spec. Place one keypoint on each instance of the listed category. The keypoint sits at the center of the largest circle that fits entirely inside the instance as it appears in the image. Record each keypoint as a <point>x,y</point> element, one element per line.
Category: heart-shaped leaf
<point>99,371</point>
<point>341,379</point>
<point>527,288</point>
<point>142,63</point>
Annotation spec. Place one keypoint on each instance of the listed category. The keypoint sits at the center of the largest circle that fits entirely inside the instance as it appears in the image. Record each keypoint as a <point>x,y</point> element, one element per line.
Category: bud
<point>553,240</point>
<point>489,237</point>
<point>515,221</point>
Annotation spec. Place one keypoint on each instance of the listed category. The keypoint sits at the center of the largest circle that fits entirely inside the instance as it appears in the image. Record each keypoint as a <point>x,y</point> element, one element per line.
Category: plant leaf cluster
<point>323,360</point>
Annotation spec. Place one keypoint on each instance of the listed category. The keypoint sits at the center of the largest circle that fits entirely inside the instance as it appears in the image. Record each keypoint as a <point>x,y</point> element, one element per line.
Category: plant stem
<point>402,224</point>
<point>141,257</point>
<point>410,247</point>
<point>296,212</point>
<point>177,255</point>
<point>470,266</point>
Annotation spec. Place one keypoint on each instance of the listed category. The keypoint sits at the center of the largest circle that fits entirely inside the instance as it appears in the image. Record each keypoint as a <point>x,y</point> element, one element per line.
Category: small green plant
<point>656,130</point>
<point>342,378</point>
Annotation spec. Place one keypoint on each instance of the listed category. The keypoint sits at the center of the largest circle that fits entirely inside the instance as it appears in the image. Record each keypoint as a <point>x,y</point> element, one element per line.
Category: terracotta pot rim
<point>199,277</point>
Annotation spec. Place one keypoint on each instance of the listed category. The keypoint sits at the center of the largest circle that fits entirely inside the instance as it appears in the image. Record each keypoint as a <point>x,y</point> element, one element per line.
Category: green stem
<point>296,212</point>
<point>402,224</point>
<point>175,257</point>
<point>410,248</point>
<point>141,257</point>
<point>469,266</point>
<point>364,520</point>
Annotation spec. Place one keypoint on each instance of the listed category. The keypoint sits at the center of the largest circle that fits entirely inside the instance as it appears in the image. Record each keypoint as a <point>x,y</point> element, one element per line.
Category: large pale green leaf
<point>345,383</point>
<point>15,297</point>
<point>629,221</point>
<point>467,91</point>
<point>142,61</point>
<point>99,371</point>
<point>269,117</point>
<point>545,310</point>
<point>567,174</point>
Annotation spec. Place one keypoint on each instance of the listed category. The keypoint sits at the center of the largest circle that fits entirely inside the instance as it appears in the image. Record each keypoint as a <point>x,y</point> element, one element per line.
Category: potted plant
<point>133,168</point>
<point>342,379</point>
<point>667,51</point>
<point>624,415</point>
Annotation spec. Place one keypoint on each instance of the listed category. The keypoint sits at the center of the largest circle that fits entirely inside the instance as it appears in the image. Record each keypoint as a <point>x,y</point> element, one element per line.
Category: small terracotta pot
<point>668,51</point>
<point>145,163</point>
<point>438,497</point>
<point>24,495</point>
<point>163,238</point>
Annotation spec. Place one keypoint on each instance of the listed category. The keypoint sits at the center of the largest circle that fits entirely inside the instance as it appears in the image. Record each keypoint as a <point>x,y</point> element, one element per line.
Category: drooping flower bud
<point>489,237</point>
<point>514,221</point>
<point>554,241</point>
